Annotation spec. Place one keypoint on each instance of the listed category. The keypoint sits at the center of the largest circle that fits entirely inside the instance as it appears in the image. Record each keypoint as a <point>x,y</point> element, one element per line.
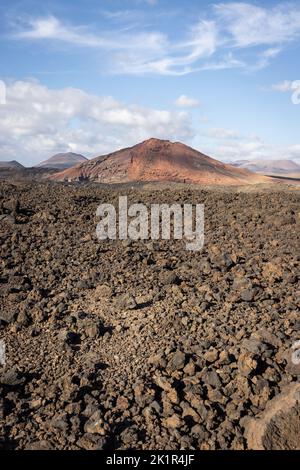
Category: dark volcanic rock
<point>141,344</point>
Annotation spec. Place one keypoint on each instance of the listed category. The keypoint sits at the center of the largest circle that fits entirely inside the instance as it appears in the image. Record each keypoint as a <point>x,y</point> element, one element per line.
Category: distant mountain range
<point>13,164</point>
<point>158,160</point>
<point>62,161</point>
<point>269,167</point>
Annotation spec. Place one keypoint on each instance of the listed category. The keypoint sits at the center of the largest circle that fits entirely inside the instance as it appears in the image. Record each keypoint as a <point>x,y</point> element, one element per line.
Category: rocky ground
<point>116,345</point>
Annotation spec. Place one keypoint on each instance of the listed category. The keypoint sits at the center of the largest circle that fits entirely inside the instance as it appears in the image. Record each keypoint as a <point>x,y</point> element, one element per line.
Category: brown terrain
<point>159,160</point>
<point>144,345</point>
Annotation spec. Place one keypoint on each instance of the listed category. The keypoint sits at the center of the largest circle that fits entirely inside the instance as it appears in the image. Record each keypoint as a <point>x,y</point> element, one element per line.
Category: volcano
<point>11,165</point>
<point>158,160</point>
<point>62,161</point>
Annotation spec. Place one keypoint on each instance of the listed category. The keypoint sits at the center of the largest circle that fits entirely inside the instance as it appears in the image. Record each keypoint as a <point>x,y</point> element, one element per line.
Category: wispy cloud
<point>139,52</point>
<point>178,58</point>
<point>53,29</point>
<point>228,61</point>
<point>286,86</point>
<point>264,58</point>
<point>221,40</point>
<point>248,25</point>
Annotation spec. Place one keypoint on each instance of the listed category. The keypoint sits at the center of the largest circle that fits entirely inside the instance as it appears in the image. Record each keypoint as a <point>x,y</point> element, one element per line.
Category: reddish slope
<point>158,160</point>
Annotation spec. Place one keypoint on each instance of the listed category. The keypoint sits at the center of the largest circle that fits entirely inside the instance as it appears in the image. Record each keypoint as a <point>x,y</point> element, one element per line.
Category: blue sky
<point>97,75</point>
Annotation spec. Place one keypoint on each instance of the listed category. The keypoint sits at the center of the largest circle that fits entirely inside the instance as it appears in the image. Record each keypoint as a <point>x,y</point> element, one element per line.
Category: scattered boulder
<point>96,424</point>
<point>178,360</point>
<point>92,442</point>
<point>278,427</point>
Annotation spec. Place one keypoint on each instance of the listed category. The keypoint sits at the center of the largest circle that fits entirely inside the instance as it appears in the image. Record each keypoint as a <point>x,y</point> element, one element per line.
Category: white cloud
<point>285,87</point>
<point>264,58</point>
<point>271,53</point>
<point>251,148</point>
<point>293,152</point>
<point>229,145</point>
<point>251,25</point>
<point>131,52</point>
<point>150,2</point>
<point>173,59</point>
<point>185,101</point>
<point>217,41</point>
<point>226,62</point>
<point>221,133</point>
<point>54,29</point>
<point>242,150</point>
<point>37,122</point>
